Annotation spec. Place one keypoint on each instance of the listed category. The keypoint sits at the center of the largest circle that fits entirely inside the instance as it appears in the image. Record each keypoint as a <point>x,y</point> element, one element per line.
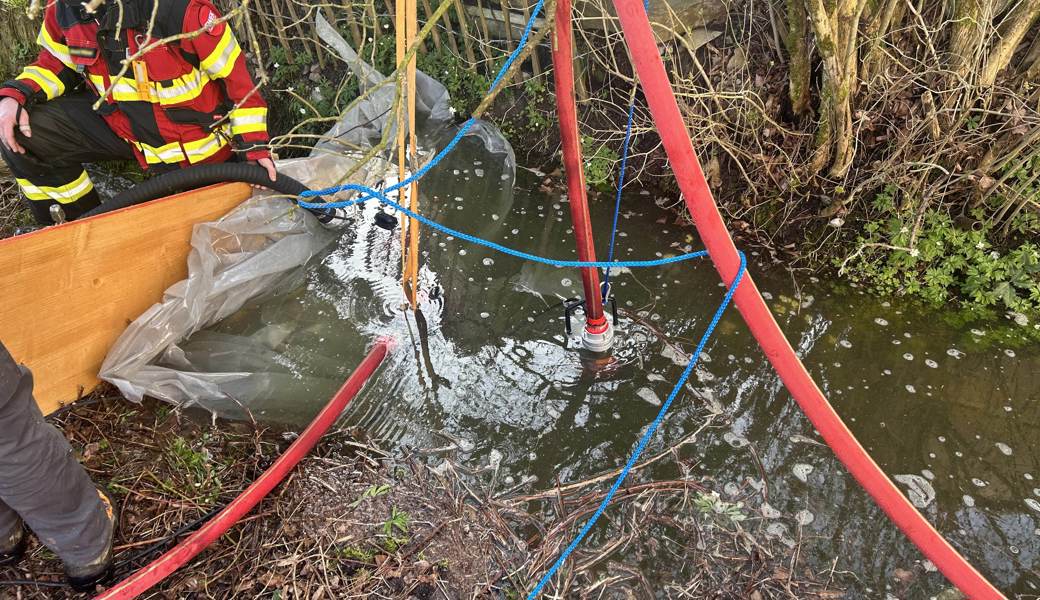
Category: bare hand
<point>272,172</point>
<point>10,113</point>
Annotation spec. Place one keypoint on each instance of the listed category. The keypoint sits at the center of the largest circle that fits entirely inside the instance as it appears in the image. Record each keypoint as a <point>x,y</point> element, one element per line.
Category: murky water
<point>950,410</point>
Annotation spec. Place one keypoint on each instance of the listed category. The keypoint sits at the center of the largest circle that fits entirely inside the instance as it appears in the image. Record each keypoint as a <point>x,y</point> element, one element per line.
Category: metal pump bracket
<point>571,306</point>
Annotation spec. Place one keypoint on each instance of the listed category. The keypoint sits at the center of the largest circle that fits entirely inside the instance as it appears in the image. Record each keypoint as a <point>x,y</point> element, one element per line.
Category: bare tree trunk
<point>16,32</point>
<point>972,21</point>
<point>888,15</point>
<point>799,57</point>
<point>836,23</point>
<point>1009,36</point>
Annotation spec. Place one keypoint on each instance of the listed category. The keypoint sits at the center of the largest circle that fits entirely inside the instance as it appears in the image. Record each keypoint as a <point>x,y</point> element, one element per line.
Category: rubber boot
<point>86,577</point>
<point>12,546</point>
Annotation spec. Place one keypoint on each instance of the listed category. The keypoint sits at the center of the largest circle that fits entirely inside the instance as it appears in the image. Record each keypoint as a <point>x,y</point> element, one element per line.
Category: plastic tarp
<point>250,263</point>
<point>363,124</point>
<point>257,251</point>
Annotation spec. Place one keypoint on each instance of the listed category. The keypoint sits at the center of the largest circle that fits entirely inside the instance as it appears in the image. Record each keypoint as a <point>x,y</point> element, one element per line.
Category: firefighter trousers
<point>66,132</point>
<point>41,483</point>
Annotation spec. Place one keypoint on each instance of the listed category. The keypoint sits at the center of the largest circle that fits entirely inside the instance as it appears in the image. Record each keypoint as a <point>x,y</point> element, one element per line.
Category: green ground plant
<point>931,256</point>
<point>600,163</point>
<point>191,465</point>
<point>712,505</point>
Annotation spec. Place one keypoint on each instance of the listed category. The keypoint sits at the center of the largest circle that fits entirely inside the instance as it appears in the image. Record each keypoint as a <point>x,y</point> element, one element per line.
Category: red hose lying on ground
<point>699,201</point>
<point>143,580</point>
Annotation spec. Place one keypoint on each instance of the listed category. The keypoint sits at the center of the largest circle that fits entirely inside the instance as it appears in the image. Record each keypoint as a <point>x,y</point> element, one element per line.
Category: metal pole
<point>598,335</point>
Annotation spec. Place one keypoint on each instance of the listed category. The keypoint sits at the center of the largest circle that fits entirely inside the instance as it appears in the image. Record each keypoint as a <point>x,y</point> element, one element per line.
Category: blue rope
<point>617,200</point>
<point>657,262</point>
<point>643,441</point>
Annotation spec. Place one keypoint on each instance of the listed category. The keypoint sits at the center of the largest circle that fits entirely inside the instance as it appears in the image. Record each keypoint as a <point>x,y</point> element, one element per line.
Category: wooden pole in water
<point>407,25</point>
<point>399,121</point>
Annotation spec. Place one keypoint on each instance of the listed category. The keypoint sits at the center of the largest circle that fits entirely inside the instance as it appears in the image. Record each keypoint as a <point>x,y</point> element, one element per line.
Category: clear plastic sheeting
<point>256,252</point>
<point>363,124</point>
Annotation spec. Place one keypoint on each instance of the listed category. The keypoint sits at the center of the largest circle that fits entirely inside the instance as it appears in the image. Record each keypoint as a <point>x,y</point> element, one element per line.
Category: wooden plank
<point>69,291</point>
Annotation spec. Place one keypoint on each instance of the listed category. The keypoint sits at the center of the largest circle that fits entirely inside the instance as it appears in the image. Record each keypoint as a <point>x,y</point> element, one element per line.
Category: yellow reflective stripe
<point>63,194</point>
<point>248,120</point>
<point>175,152</point>
<point>200,150</point>
<point>183,89</point>
<point>48,82</point>
<point>124,89</point>
<point>166,154</point>
<point>221,61</point>
<point>59,50</point>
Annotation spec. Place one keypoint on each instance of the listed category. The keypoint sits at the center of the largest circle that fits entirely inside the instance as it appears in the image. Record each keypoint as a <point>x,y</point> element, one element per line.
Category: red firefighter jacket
<point>183,102</point>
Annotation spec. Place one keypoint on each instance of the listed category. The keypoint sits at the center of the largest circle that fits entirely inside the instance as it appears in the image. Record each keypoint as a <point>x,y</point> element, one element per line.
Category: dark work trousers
<point>66,132</point>
<point>40,481</point>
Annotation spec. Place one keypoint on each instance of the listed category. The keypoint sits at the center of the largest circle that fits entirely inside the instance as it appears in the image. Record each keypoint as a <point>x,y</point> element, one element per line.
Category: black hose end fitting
<point>386,221</point>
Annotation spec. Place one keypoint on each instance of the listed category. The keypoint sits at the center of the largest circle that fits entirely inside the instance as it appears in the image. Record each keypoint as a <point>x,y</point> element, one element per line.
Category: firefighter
<point>184,102</point>
<point>43,487</point>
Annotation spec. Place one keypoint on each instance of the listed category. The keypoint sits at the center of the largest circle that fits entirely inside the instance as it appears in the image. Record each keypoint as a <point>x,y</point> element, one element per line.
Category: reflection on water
<point>951,412</point>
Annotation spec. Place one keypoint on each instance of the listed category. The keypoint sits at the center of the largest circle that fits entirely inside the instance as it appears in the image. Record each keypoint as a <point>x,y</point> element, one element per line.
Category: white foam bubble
<point>920,492</point>
<point>804,517</point>
<point>1004,449</point>
<point>768,511</point>
<point>648,395</point>
<point>802,471</point>
<point>968,501</point>
<point>734,440</point>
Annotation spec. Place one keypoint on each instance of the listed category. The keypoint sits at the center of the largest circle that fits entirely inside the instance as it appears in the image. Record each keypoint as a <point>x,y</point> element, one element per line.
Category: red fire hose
<point>577,197</point>
<point>143,580</point>
<point>712,229</point>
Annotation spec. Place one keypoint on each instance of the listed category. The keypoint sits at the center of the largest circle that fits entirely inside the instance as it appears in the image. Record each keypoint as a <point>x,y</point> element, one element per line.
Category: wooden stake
<point>508,22</point>
<point>436,35</point>
<point>485,29</point>
<point>355,31</point>
<point>460,12</point>
<point>411,273</point>
<point>280,30</point>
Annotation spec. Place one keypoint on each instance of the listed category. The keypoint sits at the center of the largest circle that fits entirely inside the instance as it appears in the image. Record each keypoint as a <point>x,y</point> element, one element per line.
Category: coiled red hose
<point>712,229</point>
<point>162,567</point>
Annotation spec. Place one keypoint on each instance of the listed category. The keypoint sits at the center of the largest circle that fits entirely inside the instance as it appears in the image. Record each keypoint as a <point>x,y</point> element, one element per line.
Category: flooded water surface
<point>949,407</point>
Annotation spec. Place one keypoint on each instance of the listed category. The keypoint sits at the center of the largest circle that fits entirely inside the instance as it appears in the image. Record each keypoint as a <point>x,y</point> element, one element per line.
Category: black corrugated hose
<point>183,180</point>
